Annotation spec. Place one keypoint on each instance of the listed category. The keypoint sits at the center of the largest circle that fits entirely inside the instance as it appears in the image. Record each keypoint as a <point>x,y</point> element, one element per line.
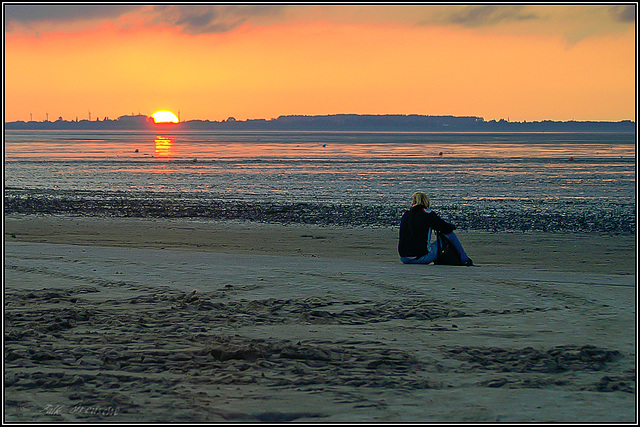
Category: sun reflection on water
<point>164,146</point>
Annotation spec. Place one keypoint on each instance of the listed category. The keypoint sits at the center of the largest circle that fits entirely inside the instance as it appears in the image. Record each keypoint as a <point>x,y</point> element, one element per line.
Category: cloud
<point>31,13</point>
<point>190,19</point>
<point>202,19</point>
<point>480,16</point>
<point>37,20</point>
<point>32,17</point>
<point>573,22</point>
<point>623,13</point>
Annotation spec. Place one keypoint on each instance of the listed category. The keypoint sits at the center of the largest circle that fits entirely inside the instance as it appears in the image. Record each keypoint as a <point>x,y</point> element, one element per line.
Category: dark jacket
<point>414,231</point>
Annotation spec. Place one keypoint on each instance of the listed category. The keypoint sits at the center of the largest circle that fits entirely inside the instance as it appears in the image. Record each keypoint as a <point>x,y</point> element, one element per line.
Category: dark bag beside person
<point>447,253</point>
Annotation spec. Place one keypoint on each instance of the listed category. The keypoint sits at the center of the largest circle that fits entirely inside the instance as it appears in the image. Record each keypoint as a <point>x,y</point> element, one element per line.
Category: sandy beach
<point>163,320</point>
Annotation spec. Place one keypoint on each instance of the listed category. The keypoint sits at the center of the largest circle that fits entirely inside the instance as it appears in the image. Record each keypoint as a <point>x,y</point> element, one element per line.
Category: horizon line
<point>233,119</point>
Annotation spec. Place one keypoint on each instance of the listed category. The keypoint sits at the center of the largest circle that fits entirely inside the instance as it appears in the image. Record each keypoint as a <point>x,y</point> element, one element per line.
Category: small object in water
<point>137,151</point>
<point>571,159</point>
<point>195,160</point>
<point>440,153</point>
<point>324,145</point>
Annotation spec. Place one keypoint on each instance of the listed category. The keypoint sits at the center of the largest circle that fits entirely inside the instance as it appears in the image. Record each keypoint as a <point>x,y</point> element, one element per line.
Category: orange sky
<point>211,62</point>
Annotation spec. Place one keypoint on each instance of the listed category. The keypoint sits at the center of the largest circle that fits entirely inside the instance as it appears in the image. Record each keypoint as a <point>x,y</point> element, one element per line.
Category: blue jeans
<point>426,259</point>
<point>433,252</point>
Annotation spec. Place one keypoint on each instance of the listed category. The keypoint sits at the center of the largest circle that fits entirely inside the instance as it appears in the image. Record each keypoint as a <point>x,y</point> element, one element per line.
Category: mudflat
<point>145,320</point>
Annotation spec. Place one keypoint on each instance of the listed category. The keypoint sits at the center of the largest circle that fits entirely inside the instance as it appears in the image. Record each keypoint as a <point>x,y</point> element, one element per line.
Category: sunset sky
<point>208,61</point>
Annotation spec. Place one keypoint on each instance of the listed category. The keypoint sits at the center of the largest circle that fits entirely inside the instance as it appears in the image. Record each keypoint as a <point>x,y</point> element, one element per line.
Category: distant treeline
<point>336,122</point>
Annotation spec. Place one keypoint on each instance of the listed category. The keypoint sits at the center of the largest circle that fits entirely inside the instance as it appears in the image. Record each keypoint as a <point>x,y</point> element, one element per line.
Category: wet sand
<point>132,320</point>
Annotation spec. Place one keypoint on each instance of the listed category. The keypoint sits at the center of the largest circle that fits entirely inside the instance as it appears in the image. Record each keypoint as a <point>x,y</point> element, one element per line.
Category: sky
<point>517,62</point>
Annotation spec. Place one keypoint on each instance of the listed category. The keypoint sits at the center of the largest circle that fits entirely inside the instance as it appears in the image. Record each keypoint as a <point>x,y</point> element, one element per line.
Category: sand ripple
<point>167,354</point>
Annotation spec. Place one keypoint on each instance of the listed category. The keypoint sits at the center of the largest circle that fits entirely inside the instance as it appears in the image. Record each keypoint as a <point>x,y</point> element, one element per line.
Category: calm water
<point>515,171</point>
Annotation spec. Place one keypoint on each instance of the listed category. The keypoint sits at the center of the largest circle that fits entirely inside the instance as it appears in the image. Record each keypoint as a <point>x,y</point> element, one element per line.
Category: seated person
<point>416,225</point>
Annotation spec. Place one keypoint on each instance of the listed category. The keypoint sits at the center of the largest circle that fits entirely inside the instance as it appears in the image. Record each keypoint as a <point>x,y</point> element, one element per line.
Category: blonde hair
<point>419,198</point>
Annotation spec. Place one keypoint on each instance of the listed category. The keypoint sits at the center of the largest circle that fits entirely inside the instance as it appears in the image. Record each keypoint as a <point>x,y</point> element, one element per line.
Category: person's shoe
<point>469,263</point>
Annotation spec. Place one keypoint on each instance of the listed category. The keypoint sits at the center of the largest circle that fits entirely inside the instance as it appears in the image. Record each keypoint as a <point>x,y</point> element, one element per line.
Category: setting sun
<point>165,117</point>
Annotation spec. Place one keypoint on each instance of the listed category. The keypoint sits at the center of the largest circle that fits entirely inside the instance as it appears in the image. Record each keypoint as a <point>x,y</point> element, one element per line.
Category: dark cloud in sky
<point>19,13</point>
<point>221,18</point>
<point>201,19</point>
<point>478,16</point>
<point>192,19</point>
<point>623,13</point>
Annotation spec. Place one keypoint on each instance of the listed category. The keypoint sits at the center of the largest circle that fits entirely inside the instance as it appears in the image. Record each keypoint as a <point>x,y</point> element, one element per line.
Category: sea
<point>492,181</point>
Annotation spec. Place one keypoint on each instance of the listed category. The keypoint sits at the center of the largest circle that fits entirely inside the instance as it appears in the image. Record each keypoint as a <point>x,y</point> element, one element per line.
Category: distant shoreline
<point>338,122</point>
